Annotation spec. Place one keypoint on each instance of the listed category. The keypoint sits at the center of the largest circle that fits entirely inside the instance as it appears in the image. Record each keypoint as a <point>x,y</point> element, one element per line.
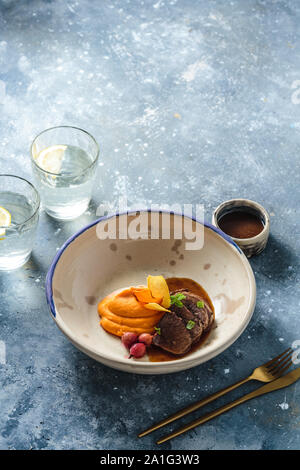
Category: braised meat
<point>189,319</point>
<point>172,334</point>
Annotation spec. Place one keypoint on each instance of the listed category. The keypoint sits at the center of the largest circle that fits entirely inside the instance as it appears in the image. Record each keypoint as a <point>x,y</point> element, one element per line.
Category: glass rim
<point>35,191</point>
<point>65,127</point>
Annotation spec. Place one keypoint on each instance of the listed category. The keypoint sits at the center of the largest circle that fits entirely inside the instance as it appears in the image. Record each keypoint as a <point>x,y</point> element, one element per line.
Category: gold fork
<point>267,372</point>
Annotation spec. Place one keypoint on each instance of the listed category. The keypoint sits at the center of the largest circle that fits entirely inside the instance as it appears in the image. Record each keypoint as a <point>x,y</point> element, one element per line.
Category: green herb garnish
<point>200,304</point>
<point>190,325</point>
<point>176,299</point>
<point>158,330</point>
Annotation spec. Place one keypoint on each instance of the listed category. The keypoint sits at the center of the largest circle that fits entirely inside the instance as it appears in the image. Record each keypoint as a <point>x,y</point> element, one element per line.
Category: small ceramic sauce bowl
<point>255,244</point>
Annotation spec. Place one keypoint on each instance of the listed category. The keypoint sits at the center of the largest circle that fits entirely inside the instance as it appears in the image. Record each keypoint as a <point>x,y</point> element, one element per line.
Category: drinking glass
<point>64,161</point>
<point>19,214</point>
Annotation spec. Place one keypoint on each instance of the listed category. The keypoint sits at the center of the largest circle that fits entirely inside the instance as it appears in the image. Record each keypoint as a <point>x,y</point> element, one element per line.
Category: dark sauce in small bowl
<point>241,223</point>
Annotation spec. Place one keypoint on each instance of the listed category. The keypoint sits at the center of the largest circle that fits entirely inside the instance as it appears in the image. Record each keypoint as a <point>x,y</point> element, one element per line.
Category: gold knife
<point>282,382</point>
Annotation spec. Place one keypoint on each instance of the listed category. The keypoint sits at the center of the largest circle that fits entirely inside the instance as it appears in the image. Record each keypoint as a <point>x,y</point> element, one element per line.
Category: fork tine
<point>276,358</point>
<point>278,372</point>
<point>274,366</point>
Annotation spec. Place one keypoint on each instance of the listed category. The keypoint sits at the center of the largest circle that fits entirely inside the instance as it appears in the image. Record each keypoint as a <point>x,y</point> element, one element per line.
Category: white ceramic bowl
<point>86,269</point>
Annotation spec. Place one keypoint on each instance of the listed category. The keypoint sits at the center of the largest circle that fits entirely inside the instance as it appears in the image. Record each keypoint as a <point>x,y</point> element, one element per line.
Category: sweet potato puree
<point>121,311</point>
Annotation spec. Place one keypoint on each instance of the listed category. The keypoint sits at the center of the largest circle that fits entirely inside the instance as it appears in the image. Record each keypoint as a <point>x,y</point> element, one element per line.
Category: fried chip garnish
<point>143,294</point>
<point>159,288</point>
<point>154,306</point>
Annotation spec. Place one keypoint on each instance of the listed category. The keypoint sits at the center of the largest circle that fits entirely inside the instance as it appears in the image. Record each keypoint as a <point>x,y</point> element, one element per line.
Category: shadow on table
<point>34,264</point>
<point>276,261</point>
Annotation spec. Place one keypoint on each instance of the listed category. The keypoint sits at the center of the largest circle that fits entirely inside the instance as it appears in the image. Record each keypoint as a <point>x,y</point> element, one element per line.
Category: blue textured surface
<point>192,102</point>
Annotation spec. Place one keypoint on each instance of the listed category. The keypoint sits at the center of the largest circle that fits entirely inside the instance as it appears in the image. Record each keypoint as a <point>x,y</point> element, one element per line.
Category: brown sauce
<point>241,224</point>
<point>156,354</point>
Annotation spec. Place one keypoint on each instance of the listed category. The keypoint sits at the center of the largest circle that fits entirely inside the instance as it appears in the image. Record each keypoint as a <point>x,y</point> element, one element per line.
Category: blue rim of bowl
<point>50,274</point>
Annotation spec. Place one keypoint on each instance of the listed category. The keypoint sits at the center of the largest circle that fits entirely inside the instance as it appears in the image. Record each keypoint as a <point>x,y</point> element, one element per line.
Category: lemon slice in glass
<point>50,159</point>
<point>5,220</point>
